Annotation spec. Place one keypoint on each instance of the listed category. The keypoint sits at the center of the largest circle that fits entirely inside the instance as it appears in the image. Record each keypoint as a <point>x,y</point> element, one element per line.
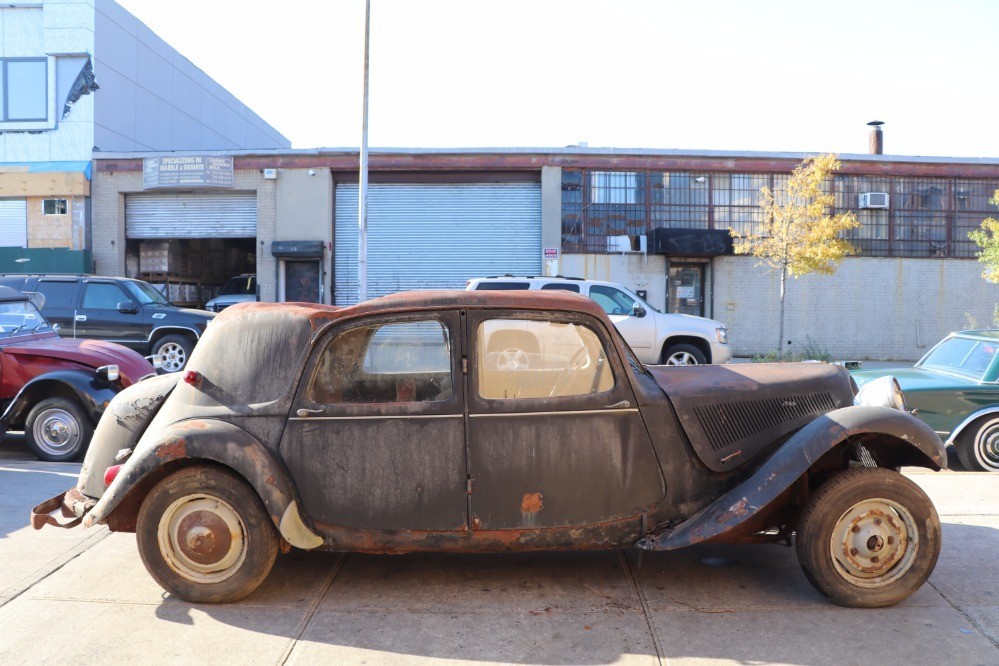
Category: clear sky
<point>780,75</point>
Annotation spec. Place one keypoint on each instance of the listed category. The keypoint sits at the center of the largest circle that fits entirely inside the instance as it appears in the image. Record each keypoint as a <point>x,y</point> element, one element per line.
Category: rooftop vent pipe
<point>876,145</point>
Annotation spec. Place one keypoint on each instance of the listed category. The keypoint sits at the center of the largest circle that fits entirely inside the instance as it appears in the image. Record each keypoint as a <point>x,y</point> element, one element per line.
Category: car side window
<point>525,358</point>
<point>393,362</point>
<point>561,286</point>
<point>613,301</point>
<point>103,296</point>
<point>502,286</point>
<point>58,293</point>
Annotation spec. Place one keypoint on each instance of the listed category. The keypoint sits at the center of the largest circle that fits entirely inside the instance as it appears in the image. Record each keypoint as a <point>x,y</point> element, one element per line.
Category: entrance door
<point>555,437</point>
<point>300,281</point>
<point>686,289</point>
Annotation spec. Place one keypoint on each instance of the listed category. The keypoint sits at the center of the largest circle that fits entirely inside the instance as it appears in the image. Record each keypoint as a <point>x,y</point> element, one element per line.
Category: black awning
<point>297,249</point>
<point>690,242</point>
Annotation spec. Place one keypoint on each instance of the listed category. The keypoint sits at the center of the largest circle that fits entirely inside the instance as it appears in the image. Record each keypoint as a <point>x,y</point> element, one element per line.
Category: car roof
<point>549,279</point>
<point>9,295</point>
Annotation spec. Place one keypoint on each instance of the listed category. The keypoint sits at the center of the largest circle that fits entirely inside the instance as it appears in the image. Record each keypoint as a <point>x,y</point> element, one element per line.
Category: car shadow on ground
<point>596,607</point>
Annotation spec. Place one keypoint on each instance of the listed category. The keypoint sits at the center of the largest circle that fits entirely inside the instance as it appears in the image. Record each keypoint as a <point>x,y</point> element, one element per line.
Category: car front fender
<point>893,437</point>
<point>84,386</point>
<point>210,441</point>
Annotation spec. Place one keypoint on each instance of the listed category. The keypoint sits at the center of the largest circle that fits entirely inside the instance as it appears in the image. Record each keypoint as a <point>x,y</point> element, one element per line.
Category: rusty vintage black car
<point>495,421</point>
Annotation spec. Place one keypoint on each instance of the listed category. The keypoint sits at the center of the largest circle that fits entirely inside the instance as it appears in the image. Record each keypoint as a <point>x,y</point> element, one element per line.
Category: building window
<point>55,207</point>
<point>24,89</point>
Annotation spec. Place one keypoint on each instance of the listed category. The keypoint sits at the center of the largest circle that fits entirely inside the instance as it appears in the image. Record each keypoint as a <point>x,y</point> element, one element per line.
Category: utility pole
<point>362,190</point>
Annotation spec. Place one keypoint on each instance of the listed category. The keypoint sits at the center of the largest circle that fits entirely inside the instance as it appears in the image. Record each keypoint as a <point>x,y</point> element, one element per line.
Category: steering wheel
<point>512,358</point>
<point>567,371</point>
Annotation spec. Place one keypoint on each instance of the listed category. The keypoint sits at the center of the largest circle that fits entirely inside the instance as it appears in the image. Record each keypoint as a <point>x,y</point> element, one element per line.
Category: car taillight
<point>192,377</point>
<point>110,473</point>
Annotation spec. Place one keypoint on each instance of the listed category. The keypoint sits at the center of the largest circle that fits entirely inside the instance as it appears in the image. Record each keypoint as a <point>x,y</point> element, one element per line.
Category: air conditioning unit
<point>873,200</point>
<point>628,244</point>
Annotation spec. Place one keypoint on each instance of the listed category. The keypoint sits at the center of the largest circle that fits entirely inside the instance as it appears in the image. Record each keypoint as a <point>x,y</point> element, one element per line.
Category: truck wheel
<point>868,537</point>
<point>57,430</point>
<point>173,350</point>
<point>205,537</point>
<point>682,354</point>
<point>978,446</point>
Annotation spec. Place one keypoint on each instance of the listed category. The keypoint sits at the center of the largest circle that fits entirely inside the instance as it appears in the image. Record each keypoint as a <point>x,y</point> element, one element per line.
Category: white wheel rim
<point>56,431</point>
<point>874,543</point>
<point>681,358</point>
<point>172,357</point>
<point>202,538</point>
<point>987,447</point>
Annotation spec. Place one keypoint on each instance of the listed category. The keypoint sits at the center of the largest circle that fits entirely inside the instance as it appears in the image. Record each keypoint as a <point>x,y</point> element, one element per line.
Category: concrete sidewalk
<point>83,596</point>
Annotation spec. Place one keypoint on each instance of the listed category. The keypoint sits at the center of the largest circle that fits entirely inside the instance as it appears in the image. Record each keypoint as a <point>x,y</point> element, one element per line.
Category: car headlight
<point>882,392</point>
<point>722,334</point>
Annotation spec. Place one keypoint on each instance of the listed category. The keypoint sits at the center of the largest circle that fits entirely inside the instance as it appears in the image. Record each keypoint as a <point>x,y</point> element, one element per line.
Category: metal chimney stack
<point>876,146</point>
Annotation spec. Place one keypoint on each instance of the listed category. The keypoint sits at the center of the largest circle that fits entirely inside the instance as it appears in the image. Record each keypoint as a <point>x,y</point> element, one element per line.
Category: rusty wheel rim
<point>202,538</point>
<point>874,543</point>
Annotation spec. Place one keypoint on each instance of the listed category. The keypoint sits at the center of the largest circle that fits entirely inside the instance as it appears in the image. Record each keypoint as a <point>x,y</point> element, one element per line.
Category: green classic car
<point>955,390</point>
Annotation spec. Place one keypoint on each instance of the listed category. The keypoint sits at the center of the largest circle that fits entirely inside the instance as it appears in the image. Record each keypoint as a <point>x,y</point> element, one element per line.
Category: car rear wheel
<point>57,430</point>
<point>173,351</point>
<point>683,354</point>
<point>205,537</point>
<point>868,537</point>
<point>978,446</point>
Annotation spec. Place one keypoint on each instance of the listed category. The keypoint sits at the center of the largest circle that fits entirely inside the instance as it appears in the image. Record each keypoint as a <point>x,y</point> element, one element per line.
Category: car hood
<point>913,379</point>
<point>733,413</point>
<point>90,353</point>
<point>683,322</point>
<point>230,299</point>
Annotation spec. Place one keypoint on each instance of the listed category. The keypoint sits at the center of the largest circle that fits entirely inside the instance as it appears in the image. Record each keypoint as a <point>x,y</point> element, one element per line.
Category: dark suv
<point>130,312</point>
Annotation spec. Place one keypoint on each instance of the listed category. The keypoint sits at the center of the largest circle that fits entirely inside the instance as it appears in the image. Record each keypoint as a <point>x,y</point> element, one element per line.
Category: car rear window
<point>503,286</point>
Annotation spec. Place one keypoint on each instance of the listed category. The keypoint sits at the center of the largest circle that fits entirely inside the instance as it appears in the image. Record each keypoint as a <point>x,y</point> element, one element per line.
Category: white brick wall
<point>870,308</point>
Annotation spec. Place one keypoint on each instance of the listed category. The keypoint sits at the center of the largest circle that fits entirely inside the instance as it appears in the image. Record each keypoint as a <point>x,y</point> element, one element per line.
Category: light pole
<point>362,190</point>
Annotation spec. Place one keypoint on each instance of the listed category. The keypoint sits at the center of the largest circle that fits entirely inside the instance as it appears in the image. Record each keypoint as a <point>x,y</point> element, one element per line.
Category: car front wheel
<point>57,430</point>
<point>205,537</point>
<point>868,537</point>
<point>978,446</point>
<point>173,352</point>
<point>683,354</point>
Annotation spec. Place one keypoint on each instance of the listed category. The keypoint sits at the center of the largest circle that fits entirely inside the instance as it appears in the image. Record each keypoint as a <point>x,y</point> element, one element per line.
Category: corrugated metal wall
<point>186,215</point>
<point>13,223</point>
<point>436,236</point>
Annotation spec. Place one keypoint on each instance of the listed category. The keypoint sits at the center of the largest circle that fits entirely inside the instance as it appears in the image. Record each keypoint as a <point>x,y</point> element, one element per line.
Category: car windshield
<point>243,285</point>
<point>20,318</point>
<point>146,293</point>
<point>961,356</point>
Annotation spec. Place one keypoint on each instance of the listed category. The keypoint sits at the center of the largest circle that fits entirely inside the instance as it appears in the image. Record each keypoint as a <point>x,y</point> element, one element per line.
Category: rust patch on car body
<point>172,449</point>
<point>738,510</point>
<point>531,503</point>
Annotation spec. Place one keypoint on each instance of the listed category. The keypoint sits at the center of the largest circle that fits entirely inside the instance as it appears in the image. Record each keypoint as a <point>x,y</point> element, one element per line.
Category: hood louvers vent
<point>728,423</point>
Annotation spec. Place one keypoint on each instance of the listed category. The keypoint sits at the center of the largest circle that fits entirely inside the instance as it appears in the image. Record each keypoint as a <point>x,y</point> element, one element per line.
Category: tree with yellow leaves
<point>986,237</point>
<point>799,235</point>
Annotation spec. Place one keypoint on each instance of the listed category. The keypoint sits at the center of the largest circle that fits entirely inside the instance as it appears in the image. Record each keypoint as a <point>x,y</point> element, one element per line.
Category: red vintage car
<point>53,388</point>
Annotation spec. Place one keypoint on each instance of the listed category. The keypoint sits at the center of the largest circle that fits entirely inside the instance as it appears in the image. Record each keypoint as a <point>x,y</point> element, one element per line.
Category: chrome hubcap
<point>987,447</point>
<point>681,358</point>
<point>172,357</point>
<point>56,431</point>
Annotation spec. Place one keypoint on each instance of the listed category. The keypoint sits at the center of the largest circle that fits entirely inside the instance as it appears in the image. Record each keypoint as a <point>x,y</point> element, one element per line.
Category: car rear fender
<point>894,438</point>
<point>82,386</point>
<point>203,441</point>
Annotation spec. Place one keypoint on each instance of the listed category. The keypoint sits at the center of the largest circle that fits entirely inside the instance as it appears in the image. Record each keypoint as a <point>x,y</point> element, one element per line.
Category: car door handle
<point>309,412</point>
<point>81,317</point>
<point>624,404</point>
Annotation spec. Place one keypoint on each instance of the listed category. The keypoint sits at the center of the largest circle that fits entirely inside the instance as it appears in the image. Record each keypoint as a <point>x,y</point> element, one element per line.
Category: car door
<point>555,436</point>
<point>638,331</point>
<point>60,302</point>
<point>98,316</point>
<point>376,437</point>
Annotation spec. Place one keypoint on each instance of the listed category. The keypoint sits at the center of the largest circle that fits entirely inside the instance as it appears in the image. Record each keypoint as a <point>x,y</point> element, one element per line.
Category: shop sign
<point>551,253</point>
<point>186,171</point>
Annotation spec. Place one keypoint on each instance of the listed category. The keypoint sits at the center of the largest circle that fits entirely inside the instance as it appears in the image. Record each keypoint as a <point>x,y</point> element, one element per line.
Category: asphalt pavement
<point>83,596</point>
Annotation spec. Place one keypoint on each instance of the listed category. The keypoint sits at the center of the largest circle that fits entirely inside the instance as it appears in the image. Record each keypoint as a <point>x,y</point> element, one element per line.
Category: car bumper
<point>71,504</point>
<point>720,353</point>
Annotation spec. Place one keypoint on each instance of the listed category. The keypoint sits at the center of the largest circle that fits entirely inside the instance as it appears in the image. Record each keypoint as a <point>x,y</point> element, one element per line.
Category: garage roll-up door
<point>437,236</point>
<point>216,215</point>
<point>13,223</point>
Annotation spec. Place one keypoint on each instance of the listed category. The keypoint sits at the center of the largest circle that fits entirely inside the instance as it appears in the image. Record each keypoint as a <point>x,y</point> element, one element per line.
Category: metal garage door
<point>13,223</point>
<point>437,236</point>
<point>216,215</point>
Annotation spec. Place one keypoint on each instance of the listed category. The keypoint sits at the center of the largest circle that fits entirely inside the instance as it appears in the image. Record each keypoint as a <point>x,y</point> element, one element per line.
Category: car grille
<point>731,422</point>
